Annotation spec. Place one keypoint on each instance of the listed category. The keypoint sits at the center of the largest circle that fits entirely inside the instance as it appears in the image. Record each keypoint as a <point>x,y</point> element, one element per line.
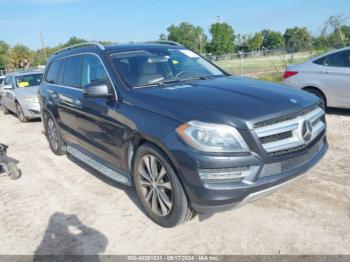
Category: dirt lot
<point>58,207</point>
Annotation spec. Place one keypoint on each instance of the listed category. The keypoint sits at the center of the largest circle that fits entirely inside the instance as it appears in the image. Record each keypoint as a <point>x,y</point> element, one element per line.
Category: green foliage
<point>223,38</point>
<point>191,36</point>
<point>297,39</point>
<point>20,57</point>
<point>4,54</point>
<point>162,37</point>
<point>272,39</point>
<point>255,43</point>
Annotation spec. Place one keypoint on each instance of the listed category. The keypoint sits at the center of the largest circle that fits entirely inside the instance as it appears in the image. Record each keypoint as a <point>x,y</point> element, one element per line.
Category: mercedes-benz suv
<point>188,136</point>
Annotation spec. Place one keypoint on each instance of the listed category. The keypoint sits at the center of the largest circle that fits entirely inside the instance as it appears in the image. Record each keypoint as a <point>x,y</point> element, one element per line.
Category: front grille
<point>291,133</point>
<point>277,137</point>
<point>283,118</point>
<point>290,164</point>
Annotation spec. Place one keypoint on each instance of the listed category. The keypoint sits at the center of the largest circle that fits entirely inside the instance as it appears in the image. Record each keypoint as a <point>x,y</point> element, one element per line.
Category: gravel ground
<point>58,207</point>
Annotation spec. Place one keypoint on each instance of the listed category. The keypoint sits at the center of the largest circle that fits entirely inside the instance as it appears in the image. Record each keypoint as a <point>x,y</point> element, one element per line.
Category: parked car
<point>327,76</point>
<point>189,137</point>
<point>19,94</point>
<point>2,79</point>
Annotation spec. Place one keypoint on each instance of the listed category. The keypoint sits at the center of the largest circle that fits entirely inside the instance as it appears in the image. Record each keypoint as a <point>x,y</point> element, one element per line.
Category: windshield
<point>159,66</point>
<point>28,80</point>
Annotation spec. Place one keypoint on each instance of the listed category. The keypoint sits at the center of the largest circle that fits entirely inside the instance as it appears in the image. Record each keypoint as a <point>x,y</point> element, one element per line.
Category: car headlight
<point>208,137</point>
<point>31,99</point>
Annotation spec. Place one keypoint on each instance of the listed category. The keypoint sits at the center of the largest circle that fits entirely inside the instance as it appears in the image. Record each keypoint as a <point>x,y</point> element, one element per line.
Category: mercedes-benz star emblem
<point>306,130</point>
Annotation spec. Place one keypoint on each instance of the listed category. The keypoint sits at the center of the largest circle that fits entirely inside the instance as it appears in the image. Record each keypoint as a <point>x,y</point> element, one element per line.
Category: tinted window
<point>71,74</point>
<point>52,73</point>
<point>319,61</point>
<point>7,80</point>
<point>149,67</point>
<point>93,71</point>
<point>340,59</point>
<point>28,80</point>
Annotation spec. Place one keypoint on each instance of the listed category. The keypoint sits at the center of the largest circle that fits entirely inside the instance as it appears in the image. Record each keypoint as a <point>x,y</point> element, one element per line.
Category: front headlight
<point>212,137</point>
<point>31,99</point>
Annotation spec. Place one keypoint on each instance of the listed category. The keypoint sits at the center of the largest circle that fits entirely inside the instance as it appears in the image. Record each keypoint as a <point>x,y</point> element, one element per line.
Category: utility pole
<point>43,45</point>
<point>218,19</point>
<point>201,43</point>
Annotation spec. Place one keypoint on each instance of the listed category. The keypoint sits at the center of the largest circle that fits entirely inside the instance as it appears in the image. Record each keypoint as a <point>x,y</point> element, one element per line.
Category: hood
<point>27,91</point>
<point>236,101</point>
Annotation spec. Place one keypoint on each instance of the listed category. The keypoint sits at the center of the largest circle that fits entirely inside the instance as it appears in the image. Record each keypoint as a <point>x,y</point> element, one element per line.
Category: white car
<point>327,76</point>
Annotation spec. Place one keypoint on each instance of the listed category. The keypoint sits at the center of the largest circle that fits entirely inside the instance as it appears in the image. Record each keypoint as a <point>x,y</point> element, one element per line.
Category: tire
<point>3,108</point>
<point>162,196</point>
<point>53,136</point>
<point>13,172</point>
<point>320,96</point>
<point>20,114</point>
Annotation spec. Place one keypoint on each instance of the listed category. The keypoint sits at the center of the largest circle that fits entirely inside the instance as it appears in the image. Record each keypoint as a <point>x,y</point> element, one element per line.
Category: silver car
<point>19,94</point>
<point>327,76</point>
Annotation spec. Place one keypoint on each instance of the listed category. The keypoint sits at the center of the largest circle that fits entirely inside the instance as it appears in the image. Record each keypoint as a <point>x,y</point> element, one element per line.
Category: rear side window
<point>7,80</point>
<point>71,73</point>
<point>53,72</point>
<point>319,61</point>
<point>340,59</point>
<point>93,71</point>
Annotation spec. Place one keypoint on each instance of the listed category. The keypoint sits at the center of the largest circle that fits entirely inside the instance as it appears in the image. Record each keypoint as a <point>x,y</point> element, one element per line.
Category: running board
<point>98,166</point>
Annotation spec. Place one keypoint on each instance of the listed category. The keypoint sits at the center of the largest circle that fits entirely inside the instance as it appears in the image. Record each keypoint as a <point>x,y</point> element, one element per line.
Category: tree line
<point>223,40</point>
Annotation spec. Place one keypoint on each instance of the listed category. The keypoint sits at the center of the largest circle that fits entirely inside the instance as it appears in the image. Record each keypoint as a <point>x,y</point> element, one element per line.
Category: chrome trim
<point>263,193</point>
<point>81,45</point>
<point>295,126</point>
<point>81,89</point>
<point>98,166</point>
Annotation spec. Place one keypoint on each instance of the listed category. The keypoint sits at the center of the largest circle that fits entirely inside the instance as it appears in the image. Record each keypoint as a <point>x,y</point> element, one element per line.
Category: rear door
<point>8,95</point>
<point>100,133</point>
<point>69,95</point>
<point>336,78</point>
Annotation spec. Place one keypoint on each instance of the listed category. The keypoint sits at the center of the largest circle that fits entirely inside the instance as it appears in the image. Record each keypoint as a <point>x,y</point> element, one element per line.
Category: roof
<point>25,72</point>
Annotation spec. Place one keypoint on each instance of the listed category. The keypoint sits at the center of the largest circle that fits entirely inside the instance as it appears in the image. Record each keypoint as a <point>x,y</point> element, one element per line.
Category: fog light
<point>226,175</point>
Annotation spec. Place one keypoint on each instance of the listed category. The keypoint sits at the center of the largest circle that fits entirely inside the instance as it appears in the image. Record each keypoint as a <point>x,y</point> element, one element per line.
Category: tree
<point>272,39</point>
<point>256,42</point>
<point>162,37</point>
<point>20,57</point>
<point>191,36</point>
<point>223,38</point>
<point>297,39</point>
<point>333,29</point>
<point>4,54</point>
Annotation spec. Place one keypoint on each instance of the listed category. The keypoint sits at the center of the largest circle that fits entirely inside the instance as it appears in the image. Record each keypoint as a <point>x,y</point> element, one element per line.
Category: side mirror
<point>99,89</point>
<point>7,87</point>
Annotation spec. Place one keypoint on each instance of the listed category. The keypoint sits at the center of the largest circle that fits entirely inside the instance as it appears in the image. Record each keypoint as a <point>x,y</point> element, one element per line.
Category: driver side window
<point>93,71</point>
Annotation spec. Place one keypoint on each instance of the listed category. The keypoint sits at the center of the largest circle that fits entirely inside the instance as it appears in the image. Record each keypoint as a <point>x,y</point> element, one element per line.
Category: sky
<point>121,21</point>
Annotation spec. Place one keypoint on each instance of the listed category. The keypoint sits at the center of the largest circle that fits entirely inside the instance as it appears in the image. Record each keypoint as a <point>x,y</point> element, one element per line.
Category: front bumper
<point>210,198</point>
<point>31,110</point>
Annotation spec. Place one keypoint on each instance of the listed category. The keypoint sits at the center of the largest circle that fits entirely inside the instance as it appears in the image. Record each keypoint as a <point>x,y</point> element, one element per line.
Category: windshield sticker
<point>189,53</point>
<point>177,87</point>
<point>23,84</point>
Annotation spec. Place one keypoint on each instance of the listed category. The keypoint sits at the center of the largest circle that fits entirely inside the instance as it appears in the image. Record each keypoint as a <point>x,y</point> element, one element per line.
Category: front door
<point>100,133</point>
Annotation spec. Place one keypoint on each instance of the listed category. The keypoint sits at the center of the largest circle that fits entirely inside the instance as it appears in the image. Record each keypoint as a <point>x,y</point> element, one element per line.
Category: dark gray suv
<point>189,137</point>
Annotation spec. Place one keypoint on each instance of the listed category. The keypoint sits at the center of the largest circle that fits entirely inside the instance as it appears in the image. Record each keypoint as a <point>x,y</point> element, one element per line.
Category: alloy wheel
<point>155,185</point>
<point>52,134</point>
<point>20,113</point>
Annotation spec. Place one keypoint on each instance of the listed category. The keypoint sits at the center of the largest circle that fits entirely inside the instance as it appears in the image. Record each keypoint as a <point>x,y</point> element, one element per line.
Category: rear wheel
<point>159,189</point>
<point>320,96</point>
<point>3,108</point>
<point>20,113</point>
<point>55,140</point>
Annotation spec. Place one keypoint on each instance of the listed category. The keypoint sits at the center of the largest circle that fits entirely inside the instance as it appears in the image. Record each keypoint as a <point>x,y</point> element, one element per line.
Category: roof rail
<point>164,42</point>
<point>81,45</point>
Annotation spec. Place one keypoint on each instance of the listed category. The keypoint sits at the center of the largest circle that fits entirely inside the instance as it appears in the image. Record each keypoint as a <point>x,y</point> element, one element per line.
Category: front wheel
<point>55,140</point>
<point>159,188</point>
<point>3,107</point>
<point>20,113</point>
